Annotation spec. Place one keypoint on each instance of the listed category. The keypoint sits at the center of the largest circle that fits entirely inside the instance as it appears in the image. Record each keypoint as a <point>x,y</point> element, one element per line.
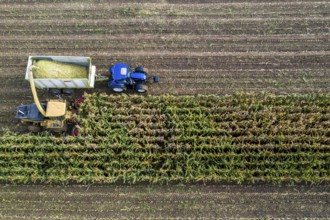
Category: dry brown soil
<point>164,202</point>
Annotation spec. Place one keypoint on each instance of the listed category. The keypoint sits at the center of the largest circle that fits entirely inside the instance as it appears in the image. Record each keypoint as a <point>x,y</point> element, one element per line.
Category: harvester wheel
<point>141,88</point>
<point>34,128</point>
<point>75,130</point>
<point>77,102</point>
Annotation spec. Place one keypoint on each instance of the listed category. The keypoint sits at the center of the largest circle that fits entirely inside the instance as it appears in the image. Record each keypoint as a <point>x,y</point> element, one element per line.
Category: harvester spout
<point>34,93</point>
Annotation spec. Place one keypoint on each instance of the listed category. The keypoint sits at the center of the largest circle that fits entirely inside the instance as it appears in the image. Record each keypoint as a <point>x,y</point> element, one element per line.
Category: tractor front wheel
<point>156,79</point>
<point>141,88</point>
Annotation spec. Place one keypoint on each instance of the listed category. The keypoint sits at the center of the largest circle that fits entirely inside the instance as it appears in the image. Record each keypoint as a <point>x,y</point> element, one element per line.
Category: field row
<point>220,10</point>
<point>224,61</point>
<point>197,44</point>
<point>201,27</point>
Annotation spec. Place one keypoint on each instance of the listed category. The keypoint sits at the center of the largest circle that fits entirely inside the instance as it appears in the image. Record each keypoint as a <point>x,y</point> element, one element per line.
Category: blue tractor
<point>123,77</point>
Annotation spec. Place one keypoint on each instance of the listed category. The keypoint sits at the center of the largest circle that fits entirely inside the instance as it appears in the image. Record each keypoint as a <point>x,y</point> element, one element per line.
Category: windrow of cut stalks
<point>163,139</point>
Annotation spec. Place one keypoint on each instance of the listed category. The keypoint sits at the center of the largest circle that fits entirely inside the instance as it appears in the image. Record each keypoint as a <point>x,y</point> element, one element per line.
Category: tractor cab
<point>120,72</point>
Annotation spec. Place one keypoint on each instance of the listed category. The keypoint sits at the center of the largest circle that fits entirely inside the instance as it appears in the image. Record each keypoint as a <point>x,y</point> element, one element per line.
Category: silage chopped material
<point>46,69</point>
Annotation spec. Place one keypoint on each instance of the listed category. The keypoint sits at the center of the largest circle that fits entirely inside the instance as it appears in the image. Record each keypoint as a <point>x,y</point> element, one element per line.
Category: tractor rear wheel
<point>141,88</point>
<point>34,128</point>
<point>141,69</point>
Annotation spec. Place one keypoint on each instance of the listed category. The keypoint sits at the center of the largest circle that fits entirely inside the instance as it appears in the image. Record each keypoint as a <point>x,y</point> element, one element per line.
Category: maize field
<point>162,139</point>
<point>243,98</point>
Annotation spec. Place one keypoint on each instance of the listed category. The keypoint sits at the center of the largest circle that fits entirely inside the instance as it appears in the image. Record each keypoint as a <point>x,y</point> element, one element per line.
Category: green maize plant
<point>163,139</point>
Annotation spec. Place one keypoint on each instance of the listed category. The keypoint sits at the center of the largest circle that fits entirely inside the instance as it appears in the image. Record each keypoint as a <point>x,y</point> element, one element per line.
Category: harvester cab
<point>57,115</point>
<point>123,77</point>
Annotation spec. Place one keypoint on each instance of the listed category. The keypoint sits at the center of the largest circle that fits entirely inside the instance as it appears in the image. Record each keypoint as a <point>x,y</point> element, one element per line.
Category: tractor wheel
<point>75,130</point>
<point>156,79</point>
<point>141,88</point>
<point>34,128</point>
<point>118,89</point>
<point>139,69</point>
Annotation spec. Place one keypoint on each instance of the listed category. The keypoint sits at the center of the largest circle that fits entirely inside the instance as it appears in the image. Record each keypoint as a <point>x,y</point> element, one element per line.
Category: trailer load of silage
<point>44,69</point>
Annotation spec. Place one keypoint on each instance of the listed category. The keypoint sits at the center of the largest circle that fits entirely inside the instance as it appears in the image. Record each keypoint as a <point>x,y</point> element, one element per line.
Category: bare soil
<point>164,202</point>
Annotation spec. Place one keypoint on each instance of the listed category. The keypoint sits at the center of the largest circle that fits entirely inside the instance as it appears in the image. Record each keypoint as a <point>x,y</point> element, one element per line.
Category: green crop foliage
<point>163,139</point>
